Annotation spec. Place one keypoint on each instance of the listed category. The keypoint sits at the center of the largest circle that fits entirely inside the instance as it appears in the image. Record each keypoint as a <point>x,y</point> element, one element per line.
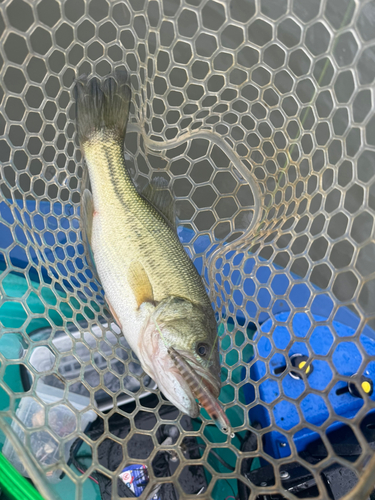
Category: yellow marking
<point>302,364</point>
<point>366,386</point>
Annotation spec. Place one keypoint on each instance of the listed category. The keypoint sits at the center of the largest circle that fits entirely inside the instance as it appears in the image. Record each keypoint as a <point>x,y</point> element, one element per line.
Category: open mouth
<point>182,384</point>
<point>203,389</point>
<point>205,376</point>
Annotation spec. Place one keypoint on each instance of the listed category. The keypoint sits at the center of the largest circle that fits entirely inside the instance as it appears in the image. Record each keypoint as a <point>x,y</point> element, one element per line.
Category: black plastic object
<point>110,454</point>
<point>338,480</point>
<point>250,443</point>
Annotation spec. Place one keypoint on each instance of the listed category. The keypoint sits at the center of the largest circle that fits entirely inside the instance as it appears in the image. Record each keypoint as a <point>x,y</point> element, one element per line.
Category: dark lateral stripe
<point>118,172</point>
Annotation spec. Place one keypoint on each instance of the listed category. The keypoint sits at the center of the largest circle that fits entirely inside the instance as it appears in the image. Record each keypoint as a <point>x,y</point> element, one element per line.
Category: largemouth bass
<point>151,286</point>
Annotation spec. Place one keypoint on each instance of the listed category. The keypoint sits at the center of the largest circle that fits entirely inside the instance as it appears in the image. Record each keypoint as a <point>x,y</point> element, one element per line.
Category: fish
<point>152,287</point>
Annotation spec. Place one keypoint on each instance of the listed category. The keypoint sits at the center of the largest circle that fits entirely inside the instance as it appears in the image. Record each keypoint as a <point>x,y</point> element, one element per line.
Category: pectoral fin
<point>87,212</point>
<point>140,283</point>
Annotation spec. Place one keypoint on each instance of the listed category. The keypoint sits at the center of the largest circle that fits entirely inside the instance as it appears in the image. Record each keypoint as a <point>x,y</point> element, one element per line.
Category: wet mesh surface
<point>259,116</point>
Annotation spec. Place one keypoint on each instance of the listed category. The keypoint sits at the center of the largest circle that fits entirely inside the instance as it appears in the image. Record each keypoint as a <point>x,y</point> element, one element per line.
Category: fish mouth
<point>207,378</point>
<point>161,368</point>
<point>210,379</point>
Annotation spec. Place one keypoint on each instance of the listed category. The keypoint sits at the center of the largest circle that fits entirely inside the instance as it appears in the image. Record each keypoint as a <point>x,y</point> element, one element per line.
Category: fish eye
<point>202,349</point>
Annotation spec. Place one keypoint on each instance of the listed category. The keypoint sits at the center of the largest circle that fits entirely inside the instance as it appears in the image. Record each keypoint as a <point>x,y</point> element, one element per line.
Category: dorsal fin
<point>160,198</point>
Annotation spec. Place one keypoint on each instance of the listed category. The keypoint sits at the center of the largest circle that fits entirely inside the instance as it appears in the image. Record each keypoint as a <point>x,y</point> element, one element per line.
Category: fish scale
<point>143,230</point>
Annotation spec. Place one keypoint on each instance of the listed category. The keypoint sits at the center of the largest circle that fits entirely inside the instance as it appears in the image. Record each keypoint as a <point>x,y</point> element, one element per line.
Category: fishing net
<point>258,115</point>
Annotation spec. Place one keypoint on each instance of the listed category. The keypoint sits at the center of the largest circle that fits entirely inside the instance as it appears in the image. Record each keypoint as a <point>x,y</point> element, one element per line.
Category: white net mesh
<point>259,115</point>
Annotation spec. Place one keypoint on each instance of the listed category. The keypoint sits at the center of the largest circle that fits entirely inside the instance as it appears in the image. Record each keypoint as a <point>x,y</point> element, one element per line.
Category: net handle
<point>15,485</point>
<point>14,479</point>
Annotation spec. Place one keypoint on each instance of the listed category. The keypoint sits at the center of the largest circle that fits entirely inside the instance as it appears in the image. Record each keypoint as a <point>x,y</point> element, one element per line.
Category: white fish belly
<point>112,258</point>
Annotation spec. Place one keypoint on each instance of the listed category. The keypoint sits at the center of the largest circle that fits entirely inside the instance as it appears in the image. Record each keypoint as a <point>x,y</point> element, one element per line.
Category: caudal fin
<point>102,106</point>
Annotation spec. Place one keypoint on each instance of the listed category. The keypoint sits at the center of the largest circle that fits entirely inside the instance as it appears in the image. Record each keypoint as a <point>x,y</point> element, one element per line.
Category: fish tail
<point>102,106</point>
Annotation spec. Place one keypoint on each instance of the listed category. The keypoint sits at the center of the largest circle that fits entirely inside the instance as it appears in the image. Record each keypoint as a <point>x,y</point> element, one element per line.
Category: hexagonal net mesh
<point>259,115</point>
